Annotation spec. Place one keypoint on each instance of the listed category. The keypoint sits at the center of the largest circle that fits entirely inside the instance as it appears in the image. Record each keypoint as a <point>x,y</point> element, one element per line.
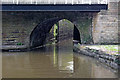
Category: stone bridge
<point>28,27</point>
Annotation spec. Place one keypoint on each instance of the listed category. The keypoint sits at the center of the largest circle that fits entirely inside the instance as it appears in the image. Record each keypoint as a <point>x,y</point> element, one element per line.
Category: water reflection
<point>55,61</point>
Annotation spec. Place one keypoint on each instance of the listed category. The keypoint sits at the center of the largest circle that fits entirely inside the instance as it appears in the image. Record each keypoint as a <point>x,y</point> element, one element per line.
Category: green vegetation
<point>85,30</point>
<point>55,30</point>
<point>19,44</point>
<point>109,49</point>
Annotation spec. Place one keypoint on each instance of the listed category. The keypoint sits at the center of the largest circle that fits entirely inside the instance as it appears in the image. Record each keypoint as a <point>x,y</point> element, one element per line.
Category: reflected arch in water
<point>42,34</point>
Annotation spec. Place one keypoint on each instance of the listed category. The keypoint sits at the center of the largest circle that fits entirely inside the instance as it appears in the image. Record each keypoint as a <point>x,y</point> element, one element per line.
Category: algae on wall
<point>17,26</point>
<point>85,28</point>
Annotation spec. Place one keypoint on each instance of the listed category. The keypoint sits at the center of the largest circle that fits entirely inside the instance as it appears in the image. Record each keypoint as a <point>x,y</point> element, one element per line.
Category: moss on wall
<point>85,27</point>
<point>17,26</point>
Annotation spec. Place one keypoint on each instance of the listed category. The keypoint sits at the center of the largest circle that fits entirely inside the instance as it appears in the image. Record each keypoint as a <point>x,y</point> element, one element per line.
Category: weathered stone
<point>109,60</point>
<point>105,29</point>
<point>21,24</point>
<point>99,27</point>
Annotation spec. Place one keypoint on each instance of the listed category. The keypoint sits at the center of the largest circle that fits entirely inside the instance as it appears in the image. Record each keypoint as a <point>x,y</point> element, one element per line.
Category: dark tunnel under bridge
<point>41,34</point>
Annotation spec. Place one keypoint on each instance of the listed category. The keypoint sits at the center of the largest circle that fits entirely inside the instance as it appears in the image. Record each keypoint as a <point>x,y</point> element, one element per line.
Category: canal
<point>53,61</point>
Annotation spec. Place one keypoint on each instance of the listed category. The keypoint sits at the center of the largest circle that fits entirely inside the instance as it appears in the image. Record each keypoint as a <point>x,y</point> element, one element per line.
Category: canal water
<point>54,61</point>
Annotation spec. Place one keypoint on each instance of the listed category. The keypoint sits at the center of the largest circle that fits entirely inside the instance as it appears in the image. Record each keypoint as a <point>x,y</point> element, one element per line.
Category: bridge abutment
<point>97,28</point>
<point>105,25</point>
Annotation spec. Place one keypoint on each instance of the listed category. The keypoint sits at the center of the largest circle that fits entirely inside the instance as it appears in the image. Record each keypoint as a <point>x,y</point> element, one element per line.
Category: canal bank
<point>53,61</point>
<point>14,48</point>
<point>111,60</point>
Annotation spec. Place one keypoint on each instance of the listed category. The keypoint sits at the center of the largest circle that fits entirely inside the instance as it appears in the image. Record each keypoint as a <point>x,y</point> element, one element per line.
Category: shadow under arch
<point>39,33</point>
<point>76,35</point>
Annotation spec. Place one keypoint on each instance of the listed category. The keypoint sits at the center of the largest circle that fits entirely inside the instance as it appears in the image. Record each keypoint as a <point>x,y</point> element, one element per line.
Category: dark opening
<point>76,35</point>
<point>41,31</point>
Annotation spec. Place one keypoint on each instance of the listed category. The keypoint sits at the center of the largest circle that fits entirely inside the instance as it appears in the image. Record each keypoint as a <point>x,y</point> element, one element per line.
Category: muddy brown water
<point>55,61</point>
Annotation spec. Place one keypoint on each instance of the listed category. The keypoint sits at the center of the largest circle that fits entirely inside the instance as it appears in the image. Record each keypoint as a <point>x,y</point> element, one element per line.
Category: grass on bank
<point>109,49</point>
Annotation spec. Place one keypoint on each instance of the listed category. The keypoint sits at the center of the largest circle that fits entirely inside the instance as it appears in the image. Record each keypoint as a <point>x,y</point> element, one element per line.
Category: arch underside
<point>41,33</point>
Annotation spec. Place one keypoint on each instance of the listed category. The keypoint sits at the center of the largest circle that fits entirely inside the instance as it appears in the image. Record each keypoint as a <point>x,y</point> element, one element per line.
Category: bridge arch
<point>41,32</point>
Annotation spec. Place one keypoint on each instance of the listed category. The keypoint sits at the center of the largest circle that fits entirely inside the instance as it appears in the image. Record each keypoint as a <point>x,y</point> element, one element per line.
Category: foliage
<point>109,49</point>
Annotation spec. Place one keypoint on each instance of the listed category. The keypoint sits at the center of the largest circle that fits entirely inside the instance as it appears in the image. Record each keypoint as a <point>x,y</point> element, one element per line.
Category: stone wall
<point>105,25</point>
<point>98,28</point>
<point>108,59</point>
<point>18,26</point>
